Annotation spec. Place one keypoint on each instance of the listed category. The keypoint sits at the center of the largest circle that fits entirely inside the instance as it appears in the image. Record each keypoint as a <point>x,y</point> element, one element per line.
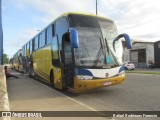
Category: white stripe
<point>101,73</point>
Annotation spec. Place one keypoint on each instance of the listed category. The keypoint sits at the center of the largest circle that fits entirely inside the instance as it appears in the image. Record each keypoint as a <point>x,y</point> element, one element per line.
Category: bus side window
<point>36,43</point>
<point>61,28</point>
<point>46,37</point>
<point>55,55</point>
<point>27,50</point>
<point>23,50</point>
<point>53,31</point>
<point>31,46</point>
<point>50,34</point>
<point>67,50</point>
<point>42,43</point>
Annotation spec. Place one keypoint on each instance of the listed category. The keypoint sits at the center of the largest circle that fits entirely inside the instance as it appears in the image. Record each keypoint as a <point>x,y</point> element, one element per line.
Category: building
<point>157,53</point>
<point>141,54</point>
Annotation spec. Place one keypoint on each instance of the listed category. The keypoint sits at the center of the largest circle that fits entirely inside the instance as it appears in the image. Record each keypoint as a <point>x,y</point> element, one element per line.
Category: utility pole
<point>1,37</point>
<point>96,8</point>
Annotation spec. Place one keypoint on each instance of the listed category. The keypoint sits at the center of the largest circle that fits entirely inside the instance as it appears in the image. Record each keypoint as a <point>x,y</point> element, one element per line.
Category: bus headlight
<point>84,77</point>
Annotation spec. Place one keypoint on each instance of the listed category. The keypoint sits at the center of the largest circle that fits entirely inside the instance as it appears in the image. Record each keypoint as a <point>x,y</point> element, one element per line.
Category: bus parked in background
<point>78,52</point>
<point>17,61</point>
<point>11,63</point>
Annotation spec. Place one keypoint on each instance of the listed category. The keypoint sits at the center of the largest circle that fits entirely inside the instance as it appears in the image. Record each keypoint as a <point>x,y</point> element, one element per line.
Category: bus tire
<point>52,79</point>
<point>27,72</point>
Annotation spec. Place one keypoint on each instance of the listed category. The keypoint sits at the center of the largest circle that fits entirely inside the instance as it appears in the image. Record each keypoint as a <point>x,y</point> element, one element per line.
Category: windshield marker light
<point>84,77</point>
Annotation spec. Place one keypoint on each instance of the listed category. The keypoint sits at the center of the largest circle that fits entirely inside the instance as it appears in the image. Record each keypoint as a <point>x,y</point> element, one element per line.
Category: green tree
<point>5,59</point>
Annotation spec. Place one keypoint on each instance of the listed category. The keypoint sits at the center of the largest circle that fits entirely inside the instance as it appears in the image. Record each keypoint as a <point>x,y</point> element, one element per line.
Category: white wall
<point>149,51</point>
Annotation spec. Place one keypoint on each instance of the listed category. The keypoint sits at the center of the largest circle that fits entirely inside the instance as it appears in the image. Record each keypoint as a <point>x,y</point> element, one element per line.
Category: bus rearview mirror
<point>127,39</point>
<point>74,38</point>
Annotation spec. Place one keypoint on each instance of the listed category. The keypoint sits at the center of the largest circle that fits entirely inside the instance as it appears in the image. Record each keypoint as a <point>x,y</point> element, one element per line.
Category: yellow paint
<point>57,78</point>
<point>86,85</point>
<point>42,64</point>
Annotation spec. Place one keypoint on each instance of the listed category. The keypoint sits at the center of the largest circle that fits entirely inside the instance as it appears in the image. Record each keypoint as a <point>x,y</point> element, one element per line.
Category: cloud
<point>130,16</point>
<point>54,8</point>
<point>138,18</point>
<point>15,42</point>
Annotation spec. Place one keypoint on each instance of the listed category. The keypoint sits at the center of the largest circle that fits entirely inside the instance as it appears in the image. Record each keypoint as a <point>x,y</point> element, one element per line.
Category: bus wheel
<point>27,72</point>
<point>52,79</point>
<point>32,73</point>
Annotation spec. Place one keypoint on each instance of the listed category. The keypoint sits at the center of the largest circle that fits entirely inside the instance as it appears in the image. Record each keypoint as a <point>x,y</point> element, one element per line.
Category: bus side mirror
<point>74,38</point>
<point>127,39</point>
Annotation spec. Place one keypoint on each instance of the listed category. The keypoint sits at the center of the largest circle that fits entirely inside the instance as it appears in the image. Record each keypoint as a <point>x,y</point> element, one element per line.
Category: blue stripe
<point>122,68</point>
<point>83,72</point>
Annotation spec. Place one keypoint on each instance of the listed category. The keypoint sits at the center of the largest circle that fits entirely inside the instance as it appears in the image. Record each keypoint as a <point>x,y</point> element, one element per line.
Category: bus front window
<point>94,51</point>
<point>89,45</point>
<point>109,33</point>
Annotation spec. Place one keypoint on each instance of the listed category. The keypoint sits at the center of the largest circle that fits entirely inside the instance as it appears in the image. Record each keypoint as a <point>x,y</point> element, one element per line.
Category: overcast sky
<point>23,18</point>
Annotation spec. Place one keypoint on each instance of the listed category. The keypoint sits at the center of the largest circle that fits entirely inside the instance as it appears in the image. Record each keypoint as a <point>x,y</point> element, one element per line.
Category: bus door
<point>67,62</point>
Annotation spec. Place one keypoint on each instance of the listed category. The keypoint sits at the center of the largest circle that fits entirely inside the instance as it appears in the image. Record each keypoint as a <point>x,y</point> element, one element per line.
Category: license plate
<point>107,83</point>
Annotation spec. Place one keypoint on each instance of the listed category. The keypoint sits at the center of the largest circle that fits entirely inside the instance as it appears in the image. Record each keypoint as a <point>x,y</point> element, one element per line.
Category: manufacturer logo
<point>107,74</point>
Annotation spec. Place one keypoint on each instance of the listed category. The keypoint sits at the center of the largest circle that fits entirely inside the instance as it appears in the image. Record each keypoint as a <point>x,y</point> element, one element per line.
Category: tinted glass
<point>43,39</point>
<point>50,33</point>
<point>36,43</point>
<point>61,28</point>
<point>83,21</point>
<point>31,47</point>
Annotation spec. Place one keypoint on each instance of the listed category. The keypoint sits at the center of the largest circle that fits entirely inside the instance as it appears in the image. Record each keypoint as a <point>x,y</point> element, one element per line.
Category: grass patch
<point>144,72</point>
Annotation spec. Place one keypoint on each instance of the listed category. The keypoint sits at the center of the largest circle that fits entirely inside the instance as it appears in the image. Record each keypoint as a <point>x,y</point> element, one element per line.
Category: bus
<point>16,61</point>
<point>77,52</point>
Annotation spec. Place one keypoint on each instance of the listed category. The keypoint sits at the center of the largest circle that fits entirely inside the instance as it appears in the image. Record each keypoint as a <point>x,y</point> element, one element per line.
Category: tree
<point>5,59</point>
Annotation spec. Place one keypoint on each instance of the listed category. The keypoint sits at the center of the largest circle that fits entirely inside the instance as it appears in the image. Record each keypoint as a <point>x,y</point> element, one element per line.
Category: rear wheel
<point>27,72</point>
<point>32,72</point>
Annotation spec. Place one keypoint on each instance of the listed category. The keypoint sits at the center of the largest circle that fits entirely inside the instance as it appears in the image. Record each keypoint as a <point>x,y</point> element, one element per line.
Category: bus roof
<point>66,15</point>
<point>79,13</point>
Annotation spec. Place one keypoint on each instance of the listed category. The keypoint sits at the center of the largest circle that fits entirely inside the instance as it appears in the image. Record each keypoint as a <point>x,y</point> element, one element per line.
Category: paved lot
<point>26,94</point>
<point>137,93</point>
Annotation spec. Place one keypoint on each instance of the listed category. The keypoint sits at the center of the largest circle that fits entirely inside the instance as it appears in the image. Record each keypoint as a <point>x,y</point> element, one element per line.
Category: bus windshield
<point>96,36</point>
<point>109,33</point>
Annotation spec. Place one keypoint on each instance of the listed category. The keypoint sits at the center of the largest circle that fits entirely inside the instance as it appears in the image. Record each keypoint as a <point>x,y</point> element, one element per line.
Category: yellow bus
<point>17,61</point>
<point>77,51</point>
<point>11,63</point>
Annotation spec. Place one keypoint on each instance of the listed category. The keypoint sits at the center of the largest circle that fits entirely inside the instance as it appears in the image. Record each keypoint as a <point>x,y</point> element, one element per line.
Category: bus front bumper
<point>86,85</point>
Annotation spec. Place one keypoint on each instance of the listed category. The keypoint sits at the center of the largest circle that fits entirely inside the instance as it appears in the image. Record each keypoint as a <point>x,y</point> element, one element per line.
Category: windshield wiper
<point>110,52</point>
<point>85,49</point>
<point>98,54</point>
